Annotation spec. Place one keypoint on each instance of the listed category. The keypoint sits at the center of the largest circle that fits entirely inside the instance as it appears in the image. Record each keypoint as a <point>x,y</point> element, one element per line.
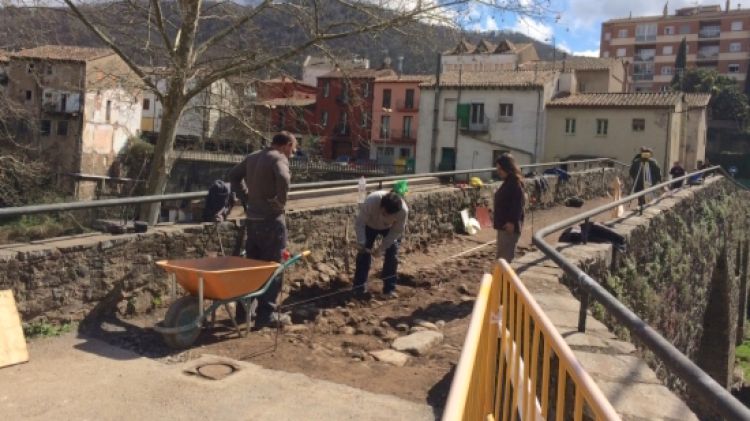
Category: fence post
<point>582,311</point>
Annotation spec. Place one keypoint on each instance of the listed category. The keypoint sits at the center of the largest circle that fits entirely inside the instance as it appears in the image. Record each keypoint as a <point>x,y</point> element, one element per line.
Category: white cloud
<point>532,28</point>
<point>588,13</point>
<point>490,24</point>
<point>587,53</point>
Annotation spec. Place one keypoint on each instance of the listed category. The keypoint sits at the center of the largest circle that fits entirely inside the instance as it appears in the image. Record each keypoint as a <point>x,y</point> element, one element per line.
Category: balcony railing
<point>645,38</point>
<point>708,55</point>
<point>709,32</point>
<point>482,126</point>
<point>643,57</point>
<point>643,76</point>
<point>404,106</point>
<point>404,135</point>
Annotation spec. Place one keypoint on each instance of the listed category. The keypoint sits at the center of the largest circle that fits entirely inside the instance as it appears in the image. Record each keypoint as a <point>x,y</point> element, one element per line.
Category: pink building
<point>395,118</point>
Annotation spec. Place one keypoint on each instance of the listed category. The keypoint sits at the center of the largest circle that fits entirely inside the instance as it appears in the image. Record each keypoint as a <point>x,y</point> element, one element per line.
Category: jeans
<point>364,260</point>
<point>266,240</point>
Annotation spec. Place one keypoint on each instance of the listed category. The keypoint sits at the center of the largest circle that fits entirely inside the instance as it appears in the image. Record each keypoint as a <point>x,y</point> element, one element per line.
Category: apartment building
<point>717,39</point>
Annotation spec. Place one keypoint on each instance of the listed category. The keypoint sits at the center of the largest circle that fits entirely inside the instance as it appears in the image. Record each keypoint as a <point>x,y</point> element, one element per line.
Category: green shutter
<point>463,112</point>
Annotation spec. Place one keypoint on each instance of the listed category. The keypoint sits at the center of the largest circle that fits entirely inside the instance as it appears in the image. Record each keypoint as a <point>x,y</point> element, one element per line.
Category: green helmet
<point>401,188</point>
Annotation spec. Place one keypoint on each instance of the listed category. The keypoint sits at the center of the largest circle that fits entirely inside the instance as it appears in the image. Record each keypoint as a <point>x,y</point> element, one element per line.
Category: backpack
<point>218,202</point>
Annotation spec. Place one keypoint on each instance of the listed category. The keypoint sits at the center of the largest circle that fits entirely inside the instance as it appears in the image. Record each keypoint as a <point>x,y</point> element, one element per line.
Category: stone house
<point>616,125</point>
<point>482,114</point>
<point>395,118</point>
<point>315,66</point>
<point>84,103</point>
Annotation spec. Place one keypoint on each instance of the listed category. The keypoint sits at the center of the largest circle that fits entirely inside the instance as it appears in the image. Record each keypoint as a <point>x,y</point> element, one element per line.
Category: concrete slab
<point>616,368</point>
<point>646,401</point>
<point>76,378</point>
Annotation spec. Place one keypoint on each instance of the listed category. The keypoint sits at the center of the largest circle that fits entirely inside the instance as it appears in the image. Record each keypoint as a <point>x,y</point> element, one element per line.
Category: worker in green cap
<point>383,214</point>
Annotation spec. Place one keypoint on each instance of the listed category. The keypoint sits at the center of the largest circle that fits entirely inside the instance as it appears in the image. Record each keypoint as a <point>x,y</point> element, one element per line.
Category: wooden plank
<point>12,343</point>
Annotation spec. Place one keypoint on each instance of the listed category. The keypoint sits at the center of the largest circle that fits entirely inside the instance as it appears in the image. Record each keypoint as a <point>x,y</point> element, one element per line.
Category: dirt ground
<point>331,338</point>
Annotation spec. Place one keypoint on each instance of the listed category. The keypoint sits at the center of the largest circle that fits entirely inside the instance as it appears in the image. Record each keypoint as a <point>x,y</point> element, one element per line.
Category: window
<point>28,95</point>
<point>669,30</point>
<point>404,152</point>
<point>146,104</point>
<point>326,88</point>
<point>734,68</point>
<point>685,29</point>
<point>63,102</point>
<point>409,100</point>
<point>477,113</point>
<point>667,50</point>
<point>62,128</point>
<point>387,98</point>
<point>622,33</point>
<point>45,127</point>
<point>385,126</point>
<point>49,69</point>
<point>645,32</point>
<point>366,90</point>
<point>365,118</point>
<point>606,54</point>
<point>601,126</point>
<point>666,71</point>
<point>407,127</point>
<point>108,116</point>
<point>735,47</point>
<point>737,25</point>
<point>449,112</point>
<point>607,36</point>
<point>506,112</point>
<point>324,119</point>
<point>620,52</point>
<point>30,68</point>
<point>639,125</point>
<point>570,126</point>
<point>343,123</point>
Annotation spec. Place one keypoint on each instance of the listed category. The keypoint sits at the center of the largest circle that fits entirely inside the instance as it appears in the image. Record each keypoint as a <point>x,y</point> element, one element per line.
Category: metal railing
<point>136,200</point>
<point>507,367</point>
<point>709,32</point>
<point>695,378</point>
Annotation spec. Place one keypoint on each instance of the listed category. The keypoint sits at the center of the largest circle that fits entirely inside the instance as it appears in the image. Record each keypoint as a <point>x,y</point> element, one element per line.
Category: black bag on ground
<point>571,235</point>
<point>574,202</point>
<point>218,202</point>
<point>599,233</point>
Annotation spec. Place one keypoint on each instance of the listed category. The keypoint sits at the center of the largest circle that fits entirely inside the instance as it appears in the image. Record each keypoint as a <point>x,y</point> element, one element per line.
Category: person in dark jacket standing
<point>262,183</point>
<point>645,172</point>
<point>508,207</point>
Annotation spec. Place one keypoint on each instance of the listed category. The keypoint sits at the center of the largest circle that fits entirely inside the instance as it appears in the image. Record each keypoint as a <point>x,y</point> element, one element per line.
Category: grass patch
<point>742,353</point>
<point>45,329</point>
<point>39,227</point>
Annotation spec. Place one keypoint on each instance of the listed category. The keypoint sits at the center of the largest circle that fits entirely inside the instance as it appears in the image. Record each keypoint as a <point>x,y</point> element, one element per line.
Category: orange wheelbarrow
<point>222,280</point>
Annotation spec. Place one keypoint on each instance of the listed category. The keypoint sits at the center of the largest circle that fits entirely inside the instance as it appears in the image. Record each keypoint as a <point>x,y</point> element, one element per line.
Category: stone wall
<point>72,278</point>
<point>685,274</point>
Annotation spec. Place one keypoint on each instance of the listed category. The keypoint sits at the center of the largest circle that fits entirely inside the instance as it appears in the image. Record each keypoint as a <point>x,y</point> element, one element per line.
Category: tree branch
<point>162,28</point>
<point>228,30</point>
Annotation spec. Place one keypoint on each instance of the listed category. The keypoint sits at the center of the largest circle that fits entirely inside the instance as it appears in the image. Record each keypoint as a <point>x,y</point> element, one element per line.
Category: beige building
<point>616,125</point>
<point>85,104</point>
<point>487,57</point>
<point>717,38</point>
<point>592,75</point>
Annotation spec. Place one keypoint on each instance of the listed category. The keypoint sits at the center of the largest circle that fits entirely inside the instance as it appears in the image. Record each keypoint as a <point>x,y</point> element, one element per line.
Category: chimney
<point>400,65</point>
<point>728,6</point>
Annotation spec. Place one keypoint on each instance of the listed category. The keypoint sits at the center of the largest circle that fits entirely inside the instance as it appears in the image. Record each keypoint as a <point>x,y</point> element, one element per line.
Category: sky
<point>574,24</point>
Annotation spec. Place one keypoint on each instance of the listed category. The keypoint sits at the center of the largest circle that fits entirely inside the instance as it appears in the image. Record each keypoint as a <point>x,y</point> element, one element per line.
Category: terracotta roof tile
<point>404,78</point>
<point>288,102</point>
<point>64,52</point>
<point>359,73</point>
<point>509,79</point>
<point>628,100</point>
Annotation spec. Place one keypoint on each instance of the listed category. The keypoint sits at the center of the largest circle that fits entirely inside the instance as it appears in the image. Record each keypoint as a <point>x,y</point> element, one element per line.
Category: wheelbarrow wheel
<point>182,312</point>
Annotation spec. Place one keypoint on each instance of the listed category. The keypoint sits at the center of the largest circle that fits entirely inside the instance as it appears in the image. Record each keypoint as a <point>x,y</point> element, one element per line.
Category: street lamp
<point>554,49</point>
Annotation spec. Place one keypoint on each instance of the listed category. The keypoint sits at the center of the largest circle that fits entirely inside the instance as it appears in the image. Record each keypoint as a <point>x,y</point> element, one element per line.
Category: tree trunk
<point>161,164</point>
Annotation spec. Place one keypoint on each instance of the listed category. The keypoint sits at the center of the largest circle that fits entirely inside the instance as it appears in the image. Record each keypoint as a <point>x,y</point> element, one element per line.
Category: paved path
<point>69,378</point>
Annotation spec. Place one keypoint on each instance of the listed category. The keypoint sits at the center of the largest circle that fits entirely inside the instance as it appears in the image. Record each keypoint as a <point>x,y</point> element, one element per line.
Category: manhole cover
<point>215,371</point>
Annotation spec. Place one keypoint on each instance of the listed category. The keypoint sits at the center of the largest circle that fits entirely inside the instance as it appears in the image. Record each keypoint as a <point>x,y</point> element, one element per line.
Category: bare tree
<point>196,42</point>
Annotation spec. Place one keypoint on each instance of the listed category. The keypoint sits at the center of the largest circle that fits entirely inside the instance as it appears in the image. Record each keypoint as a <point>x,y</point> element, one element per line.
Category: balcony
<point>709,32</point>
<point>645,38</point>
<point>481,126</point>
<point>403,135</point>
<point>708,55</point>
<point>407,107</point>
<point>643,57</point>
<point>643,76</point>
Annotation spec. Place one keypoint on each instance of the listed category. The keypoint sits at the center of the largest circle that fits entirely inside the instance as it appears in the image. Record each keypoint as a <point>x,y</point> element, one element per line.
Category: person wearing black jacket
<point>508,207</point>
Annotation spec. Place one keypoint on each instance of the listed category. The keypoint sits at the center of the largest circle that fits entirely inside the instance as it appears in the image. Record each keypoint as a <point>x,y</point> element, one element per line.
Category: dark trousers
<point>266,240</point>
<point>364,260</point>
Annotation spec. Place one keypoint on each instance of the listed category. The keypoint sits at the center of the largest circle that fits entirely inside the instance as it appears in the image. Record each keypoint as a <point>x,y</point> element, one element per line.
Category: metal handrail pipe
<point>716,396</point>
<point>136,200</point>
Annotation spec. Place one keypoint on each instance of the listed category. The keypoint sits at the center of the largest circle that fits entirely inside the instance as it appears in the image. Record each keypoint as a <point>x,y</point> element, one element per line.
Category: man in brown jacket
<point>262,181</point>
